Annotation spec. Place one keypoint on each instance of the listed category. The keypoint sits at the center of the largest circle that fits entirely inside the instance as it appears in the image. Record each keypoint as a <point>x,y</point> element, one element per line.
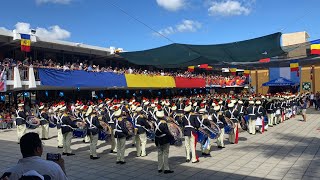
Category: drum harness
<point>204,126</point>
<point>189,123</point>
<point>91,126</point>
<point>138,125</point>
<point>18,116</point>
<point>232,115</point>
<point>64,125</point>
<point>158,129</point>
<point>217,118</point>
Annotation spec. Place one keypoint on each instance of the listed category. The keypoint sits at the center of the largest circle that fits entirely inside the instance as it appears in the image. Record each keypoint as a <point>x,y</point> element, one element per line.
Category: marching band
<point>200,118</point>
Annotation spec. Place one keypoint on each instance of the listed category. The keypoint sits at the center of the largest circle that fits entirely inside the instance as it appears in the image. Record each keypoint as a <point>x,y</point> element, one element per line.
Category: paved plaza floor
<point>289,150</point>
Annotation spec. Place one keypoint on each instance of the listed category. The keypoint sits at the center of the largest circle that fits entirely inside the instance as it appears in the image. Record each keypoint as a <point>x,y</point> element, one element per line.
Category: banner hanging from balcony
<point>25,42</point>
<point>182,82</point>
<point>142,81</point>
<point>53,77</point>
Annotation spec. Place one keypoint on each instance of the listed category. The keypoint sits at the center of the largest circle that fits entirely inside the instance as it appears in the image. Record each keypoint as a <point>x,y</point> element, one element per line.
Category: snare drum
<point>202,136</point>
<point>79,133</point>
<point>32,122</point>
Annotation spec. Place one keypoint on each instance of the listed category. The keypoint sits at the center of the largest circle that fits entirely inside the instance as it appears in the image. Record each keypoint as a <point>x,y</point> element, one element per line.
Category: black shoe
<point>132,145</point>
<point>205,154</point>
<point>91,156</point>
<point>122,162</point>
<point>70,154</point>
<point>111,151</point>
<point>168,171</point>
<point>60,147</point>
<point>95,158</point>
<point>188,160</point>
<point>64,153</point>
<point>43,138</point>
<point>159,171</point>
<point>196,161</point>
<point>220,147</point>
<point>118,162</point>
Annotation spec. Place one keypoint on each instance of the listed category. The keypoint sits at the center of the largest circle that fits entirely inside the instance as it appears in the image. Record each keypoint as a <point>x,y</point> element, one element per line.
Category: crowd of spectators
<point>211,79</point>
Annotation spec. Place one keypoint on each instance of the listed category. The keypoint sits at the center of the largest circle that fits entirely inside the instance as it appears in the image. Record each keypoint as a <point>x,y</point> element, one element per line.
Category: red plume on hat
<point>85,107</point>
<point>187,103</point>
<point>100,101</point>
<point>116,108</point>
<point>41,104</point>
<point>159,107</point>
<point>202,105</point>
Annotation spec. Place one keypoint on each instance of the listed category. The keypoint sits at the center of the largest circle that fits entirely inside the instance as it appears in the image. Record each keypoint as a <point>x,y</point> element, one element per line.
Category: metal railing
<point>24,73</point>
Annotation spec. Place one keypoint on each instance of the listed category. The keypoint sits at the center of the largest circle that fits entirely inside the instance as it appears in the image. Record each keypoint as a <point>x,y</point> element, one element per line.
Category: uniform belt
<point>162,135</point>
<point>189,126</point>
<point>117,130</point>
<point>251,114</point>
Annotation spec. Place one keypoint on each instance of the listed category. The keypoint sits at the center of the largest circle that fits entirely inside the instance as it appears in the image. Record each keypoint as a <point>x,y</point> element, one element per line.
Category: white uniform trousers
<point>113,142</point>
<point>221,138</point>
<point>121,147</point>
<point>21,130</point>
<point>67,142</point>
<point>60,138</point>
<point>206,147</point>
<point>163,157</point>
<point>190,144</point>
<point>45,131</point>
<point>141,142</point>
<point>252,126</point>
<point>93,145</point>
<point>86,139</point>
<point>232,135</point>
<point>270,119</point>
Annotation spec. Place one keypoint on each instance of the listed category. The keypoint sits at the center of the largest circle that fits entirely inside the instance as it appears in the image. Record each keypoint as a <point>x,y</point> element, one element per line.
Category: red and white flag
<point>2,81</point>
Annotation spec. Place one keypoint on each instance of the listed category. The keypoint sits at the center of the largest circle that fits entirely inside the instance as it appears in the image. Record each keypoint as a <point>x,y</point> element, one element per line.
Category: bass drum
<point>32,122</point>
<point>202,136</point>
<point>229,127</point>
<point>176,132</point>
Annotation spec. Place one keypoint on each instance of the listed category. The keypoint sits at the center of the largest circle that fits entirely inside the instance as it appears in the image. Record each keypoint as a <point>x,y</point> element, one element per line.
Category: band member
<point>142,127</point>
<point>233,114</point>
<point>93,127</point>
<point>121,134</point>
<point>190,125</point>
<point>204,121</point>
<point>252,113</point>
<point>163,138</point>
<point>242,111</point>
<point>278,111</point>
<point>270,112</point>
<point>67,128</point>
<point>21,121</point>
<point>110,117</point>
<point>44,122</point>
<point>57,119</point>
<point>218,118</point>
<point>260,116</point>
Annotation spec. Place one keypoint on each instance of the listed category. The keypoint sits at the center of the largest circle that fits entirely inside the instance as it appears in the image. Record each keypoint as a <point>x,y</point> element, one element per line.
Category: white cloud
<point>229,8</point>
<point>171,5</point>
<point>53,32</point>
<point>184,26</point>
<point>53,1</point>
<point>5,29</point>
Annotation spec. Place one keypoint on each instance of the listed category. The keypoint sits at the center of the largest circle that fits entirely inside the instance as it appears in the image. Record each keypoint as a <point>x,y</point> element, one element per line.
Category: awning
<point>183,55</point>
<point>280,82</point>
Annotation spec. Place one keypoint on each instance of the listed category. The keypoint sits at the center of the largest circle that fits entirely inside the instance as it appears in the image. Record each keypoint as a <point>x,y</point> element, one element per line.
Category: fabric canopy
<point>183,55</point>
<point>280,82</point>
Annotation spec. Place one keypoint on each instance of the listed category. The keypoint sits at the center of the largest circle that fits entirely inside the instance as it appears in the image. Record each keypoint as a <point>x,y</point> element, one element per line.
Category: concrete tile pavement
<point>287,151</point>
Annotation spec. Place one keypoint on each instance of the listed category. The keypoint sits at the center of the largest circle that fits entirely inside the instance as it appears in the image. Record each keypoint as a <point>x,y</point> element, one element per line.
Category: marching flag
<point>315,47</point>
<point>233,71</point>
<point>190,68</point>
<point>294,66</point>
<point>25,42</point>
<point>203,66</point>
<point>265,60</point>
<point>209,68</point>
<point>246,73</point>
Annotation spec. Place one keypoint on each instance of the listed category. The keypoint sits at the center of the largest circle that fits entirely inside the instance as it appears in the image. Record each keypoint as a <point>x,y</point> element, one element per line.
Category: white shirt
<point>311,96</point>
<point>43,167</point>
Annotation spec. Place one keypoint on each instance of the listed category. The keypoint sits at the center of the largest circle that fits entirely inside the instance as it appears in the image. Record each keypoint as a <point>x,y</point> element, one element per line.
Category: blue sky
<point>97,22</point>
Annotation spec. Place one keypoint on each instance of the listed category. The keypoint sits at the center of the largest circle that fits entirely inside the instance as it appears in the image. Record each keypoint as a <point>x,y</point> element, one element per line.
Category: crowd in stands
<point>89,66</point>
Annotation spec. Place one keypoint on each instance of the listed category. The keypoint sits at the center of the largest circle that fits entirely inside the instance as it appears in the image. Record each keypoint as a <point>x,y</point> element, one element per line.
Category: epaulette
<point>163,121</point>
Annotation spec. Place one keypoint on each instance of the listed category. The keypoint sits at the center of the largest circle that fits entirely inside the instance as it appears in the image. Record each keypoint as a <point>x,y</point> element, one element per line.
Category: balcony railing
<point>24,73</point>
